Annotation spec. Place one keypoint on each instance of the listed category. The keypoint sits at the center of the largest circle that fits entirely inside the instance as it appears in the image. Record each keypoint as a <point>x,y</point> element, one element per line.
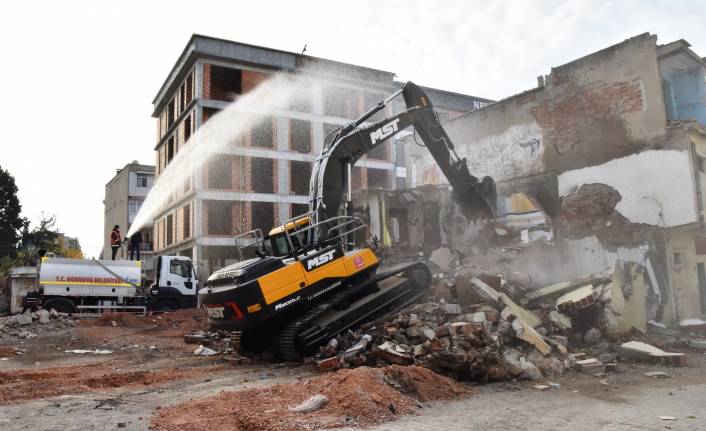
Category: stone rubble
<point>472,327</point>
<point>32,323</point>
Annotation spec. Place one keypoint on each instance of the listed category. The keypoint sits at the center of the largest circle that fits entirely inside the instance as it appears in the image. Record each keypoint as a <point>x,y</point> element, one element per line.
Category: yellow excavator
<point>317,274</point>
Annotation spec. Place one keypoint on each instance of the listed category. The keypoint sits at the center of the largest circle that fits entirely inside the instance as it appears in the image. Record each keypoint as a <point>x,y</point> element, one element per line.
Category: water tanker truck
<point>91,285</point>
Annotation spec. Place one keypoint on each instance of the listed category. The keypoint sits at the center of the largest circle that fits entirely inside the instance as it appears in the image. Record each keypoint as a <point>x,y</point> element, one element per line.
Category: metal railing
<point>336,229</point>
<point>253,238</point>
<point>300,240</point>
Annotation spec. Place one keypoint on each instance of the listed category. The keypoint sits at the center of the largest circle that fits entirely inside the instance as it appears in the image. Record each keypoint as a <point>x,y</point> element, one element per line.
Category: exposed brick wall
<point>355,104</point>
<point>242,217</point>
<point>157,167</point>
<point>206,81</point>
<point>250,80</point>
<point>241,174</point>
<point>587,125</point>
<point>360,178</point>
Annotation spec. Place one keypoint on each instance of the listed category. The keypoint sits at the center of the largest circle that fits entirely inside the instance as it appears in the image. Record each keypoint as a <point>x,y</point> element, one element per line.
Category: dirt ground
<point>145,351</point>
<point>152,380</point>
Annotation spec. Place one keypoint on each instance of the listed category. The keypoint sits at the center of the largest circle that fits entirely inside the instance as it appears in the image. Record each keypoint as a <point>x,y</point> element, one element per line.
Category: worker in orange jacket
<point>115,240</point>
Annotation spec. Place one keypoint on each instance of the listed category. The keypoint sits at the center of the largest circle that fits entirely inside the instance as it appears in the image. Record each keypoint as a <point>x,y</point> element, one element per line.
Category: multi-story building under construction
<point>264,178</point>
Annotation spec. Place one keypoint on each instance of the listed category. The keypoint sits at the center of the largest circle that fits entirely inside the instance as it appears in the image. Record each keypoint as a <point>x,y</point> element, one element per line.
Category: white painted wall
<point>657,186</point>
<point>133,190</point>
<point>518,151</point>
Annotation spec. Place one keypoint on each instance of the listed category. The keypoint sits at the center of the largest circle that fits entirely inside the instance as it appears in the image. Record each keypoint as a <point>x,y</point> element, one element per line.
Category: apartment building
<point>124,195</point>
<point>263,178</point>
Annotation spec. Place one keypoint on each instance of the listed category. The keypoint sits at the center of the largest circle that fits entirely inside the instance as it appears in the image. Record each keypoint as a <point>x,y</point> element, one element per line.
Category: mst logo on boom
<point>322,258</point>
<point>384,131</point>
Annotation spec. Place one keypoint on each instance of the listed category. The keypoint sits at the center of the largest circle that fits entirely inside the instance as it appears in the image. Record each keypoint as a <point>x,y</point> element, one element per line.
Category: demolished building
<point>605,160</point>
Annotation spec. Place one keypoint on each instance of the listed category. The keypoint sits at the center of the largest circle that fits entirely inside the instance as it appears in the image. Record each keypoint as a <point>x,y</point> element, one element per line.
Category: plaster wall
<point>656,186</point>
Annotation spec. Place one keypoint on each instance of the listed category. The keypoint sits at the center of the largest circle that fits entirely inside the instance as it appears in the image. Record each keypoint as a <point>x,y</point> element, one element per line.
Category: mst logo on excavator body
<point>316,261</point>
<point>384,131</point>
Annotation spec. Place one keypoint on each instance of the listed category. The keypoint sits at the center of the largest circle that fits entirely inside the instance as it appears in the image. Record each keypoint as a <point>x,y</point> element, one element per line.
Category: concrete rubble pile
<point>210,343</point>
<point>479,327</point>
<point>32,323</point>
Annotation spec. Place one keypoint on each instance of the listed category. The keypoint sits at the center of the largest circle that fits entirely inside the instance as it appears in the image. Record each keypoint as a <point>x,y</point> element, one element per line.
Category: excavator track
<point>352,307</point>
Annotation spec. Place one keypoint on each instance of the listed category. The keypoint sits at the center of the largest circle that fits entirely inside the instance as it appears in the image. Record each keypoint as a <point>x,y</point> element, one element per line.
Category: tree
<point>45,236</point>
<point>10,221</point>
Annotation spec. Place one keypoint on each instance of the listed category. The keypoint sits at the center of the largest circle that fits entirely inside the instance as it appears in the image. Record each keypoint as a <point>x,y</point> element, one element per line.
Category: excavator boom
<point>477,198</point>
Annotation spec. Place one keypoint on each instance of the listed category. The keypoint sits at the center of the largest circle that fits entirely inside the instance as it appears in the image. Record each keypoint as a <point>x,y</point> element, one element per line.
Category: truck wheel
<point>166,305</point>
<point>61,305</point>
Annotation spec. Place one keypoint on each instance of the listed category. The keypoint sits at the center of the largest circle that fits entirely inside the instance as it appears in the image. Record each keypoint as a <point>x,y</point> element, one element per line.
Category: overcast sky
<point>77,78</point>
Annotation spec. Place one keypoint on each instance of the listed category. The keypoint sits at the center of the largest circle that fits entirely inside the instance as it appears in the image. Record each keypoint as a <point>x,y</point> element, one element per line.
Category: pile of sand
<point>356,397</point>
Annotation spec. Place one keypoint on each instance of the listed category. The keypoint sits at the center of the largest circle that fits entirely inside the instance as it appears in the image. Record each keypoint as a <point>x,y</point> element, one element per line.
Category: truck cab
<point>175,285</point>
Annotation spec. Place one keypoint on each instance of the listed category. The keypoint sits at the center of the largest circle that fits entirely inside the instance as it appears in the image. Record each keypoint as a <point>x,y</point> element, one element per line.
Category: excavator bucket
<point>476,197</point>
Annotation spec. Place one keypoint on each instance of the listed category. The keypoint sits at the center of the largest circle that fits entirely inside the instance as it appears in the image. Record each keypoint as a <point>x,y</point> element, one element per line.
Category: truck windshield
<point>180,267</point>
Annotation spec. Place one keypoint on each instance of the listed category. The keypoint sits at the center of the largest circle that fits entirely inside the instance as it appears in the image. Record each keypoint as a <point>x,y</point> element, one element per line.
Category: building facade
<point>263,178</point>
<point>612,145</point>
<point>124,195</point>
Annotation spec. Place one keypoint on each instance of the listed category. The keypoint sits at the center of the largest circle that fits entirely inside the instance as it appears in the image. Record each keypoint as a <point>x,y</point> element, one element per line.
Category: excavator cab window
<point>277,244</point>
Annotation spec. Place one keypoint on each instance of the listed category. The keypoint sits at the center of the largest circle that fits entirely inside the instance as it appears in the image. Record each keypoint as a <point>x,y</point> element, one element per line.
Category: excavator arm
<point>331,171</point>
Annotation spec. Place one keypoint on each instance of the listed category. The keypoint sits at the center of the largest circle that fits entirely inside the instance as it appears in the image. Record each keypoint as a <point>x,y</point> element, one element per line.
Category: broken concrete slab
<point>590,365</point>
<point>647,352</point>
<point>358,347</point>
<point>527,333</point>
<point>696,344</point>
<point>576,300</point>
<point>393,354</point>
<point>555,290</point>
<point>527,316</point>
<point>661,329</point>
<point>487,293</point>
<point>692,325</point>
<point>442,258</point>
<point>559,319</point>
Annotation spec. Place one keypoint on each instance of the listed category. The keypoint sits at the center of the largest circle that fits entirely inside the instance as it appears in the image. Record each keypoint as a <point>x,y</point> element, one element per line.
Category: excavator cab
<point>283,241</point>
<point>288,239</point>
